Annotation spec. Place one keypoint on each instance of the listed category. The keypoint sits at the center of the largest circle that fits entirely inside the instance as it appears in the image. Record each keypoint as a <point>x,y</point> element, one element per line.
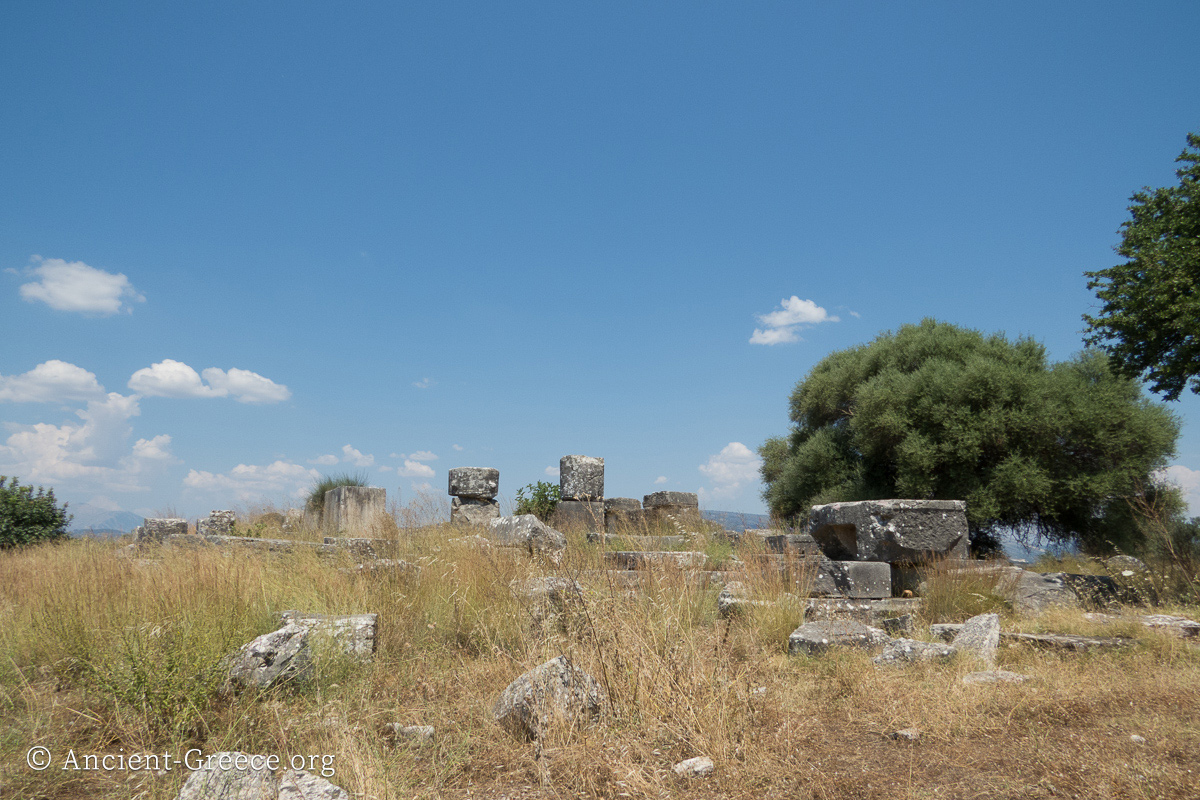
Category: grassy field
<point>102,653</point>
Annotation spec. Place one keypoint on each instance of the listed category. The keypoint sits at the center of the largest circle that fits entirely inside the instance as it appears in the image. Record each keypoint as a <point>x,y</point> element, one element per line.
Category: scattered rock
<point>1182,627</point>
<point>420,734</point>
<point>979,636</point>
<point>895,625</point>
<point>994,676</point>
<point>1060,641</point>
<point>527,532</point>
<point>698,767</point>
<point>286,654</point>
<point>241,776</point>
<point>908,651</point>
<point>906,735</point>
<point>556,690</point>
<point>1137,739</point>
<point>946,631</point>
<point>812,638</point>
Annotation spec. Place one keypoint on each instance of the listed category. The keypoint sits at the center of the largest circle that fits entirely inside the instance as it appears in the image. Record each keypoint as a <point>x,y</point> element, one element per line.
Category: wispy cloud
<point>424,383</point>
<point>552,471</point>
<point>457,447</point>
<point>246,386</point>
<point>415,469</point>
<point>422,455</point>
<point>52,381</point>
<point>254,482</point>
<point>1188,480</point>
<point>661,479</point>
<point>781,324</point>
<point>75,286</point>
<point>327,460</point>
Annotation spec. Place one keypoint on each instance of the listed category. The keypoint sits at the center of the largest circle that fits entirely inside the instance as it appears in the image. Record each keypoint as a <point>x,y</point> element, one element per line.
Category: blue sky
<point>246,244</point>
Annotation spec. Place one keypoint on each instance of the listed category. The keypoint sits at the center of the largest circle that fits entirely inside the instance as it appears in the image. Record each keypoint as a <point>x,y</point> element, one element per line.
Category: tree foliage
<point>940,412</point>
<point>1150,321</point>
<point>28,516</point>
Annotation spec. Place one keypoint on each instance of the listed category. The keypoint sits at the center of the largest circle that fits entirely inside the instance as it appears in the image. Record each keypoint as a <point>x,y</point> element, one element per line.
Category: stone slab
<point>801,543</point>
<point>473,511</point>
<point>852,579</point>
<point>482,483</point>
<point>896,531</point>
<point>354,508</point>
<point>872,612</point>
<point>585,515</point>
<point>622,504</point>
<point>581,478</point>
<point>680,499</point>
<point>813,638</point>
<point>645,559</point>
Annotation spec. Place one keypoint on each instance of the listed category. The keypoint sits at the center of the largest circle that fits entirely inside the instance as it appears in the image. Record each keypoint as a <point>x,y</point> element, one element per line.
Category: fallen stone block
<point>383,566</point>
<point>481,483</point>
<point>217,523</point>
<point>233,775</point>
<point>624,520</point>
<point>896,531</point>
<point>527,532</point>
<point>813,638</point>
<point>1060,641</point>
<point>419,734</point>
<point>791,543</point>
<point>671,499</point>
<point>581,478</point>
<point>354,633</point>
<point>585,515</point>
<point>556,691</point>
<point>979,636</point>
<point>473,511</point>
<point>698,767</point>
<point>897,625</point>
<point>906,735</point>
<point>994,676</point>
<point>643,559</point>
<point>910,651</point>
<point>286,654</point>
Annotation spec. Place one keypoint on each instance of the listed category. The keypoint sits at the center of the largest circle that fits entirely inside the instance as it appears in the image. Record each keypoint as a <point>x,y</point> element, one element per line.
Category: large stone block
<point>527,532</point>
<point>859,580</point>
<point>354,508</point>
<point>813,638</point>
<point>581,478</point>
<point>623,515</point>
<point>555,692</point>
<point>157,529</point>
<point>788,543</point>
<point>582,514</point>
<point>621,504</point>
<point>478,482</point>
<point>680,499</point>
<point>473,511</point>
<point>897,531</point>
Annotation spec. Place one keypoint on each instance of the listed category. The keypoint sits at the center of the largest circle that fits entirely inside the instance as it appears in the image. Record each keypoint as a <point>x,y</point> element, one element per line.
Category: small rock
<point>908,651</point>
<point>1137,739</point>
<point>994,676</point>
<point>421,734</point>
<point>979,636</point>
<point>556,689</point>
<point>697,767</point>
<point>907,735</point>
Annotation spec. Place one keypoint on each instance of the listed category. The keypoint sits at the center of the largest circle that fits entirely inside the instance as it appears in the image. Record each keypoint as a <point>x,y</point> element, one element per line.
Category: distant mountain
<point>88,518</point>
<point>737,520</point>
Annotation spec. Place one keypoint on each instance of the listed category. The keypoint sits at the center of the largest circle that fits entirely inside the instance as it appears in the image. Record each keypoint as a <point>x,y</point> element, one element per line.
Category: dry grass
<point>101,653</point>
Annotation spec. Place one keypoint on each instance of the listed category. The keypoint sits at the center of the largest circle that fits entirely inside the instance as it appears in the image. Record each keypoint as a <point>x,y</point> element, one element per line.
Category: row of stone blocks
<point>675,511</point>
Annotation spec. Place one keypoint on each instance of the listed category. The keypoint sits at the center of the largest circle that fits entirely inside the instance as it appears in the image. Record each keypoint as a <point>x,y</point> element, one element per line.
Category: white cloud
<point>92,454</point>
<point>414,469</point>
<point>773,336</point>
<point>424,383</point>
<point>457,447</point>
<point>385,468</point>
<point>325,460</point>
<point>171,378</point>
<point>551,470</point>
<point>421,487</point>
<point>156,449</point>
<point>735,466</point>
<point>52,381</point>
<point>660,479</point>
<point>356,458</point>
<point>246,386</point>
<point>254,482</point>
<point>792,313</point>
<point>421,455</point>
<point>74,286</point>
<point>1188,480</point>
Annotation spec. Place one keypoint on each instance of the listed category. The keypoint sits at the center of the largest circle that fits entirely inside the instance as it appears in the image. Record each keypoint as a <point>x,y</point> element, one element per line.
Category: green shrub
<point>541,500</point>
<point>28,517</point>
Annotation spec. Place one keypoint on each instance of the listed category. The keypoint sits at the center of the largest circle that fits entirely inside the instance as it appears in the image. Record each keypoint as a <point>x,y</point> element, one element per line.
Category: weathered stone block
<point>555,691</point>
<point>586,515</point>
<point>286,654</point>
<point>157,529</point>
<point>581,478</point>
<point>909,651</point>
<point>621,504</point>
<point>528,532</point>
<point>897,531</point>
<point>870,580</point>
<point>681,499</point>
<point>813,638</point>
<point>354,508</point>
<point>643,559</point>
<point>218,523</point>
<point>478,482</point>
<point>979,636</point>
<point>789,543</point>
<point>624,521</point>
<point>473,511</point>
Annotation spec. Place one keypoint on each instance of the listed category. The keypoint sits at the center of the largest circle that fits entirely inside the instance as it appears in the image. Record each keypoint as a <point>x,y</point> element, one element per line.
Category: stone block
<point>813,638</point>
<point>896,531</point>
<point>478,482</point>
<point>555,691</point>
<point>858,580</point>
<point>624,520</point>
<point>526,532</point>
<point>585,515</point>
<point>681,499</point>
<point>581,478</point>
<point>157,529</point>
<point>621,504</point>
<point>354,508</point>
<point>788,543</point>
<point>217,523</point>
<point>645,559</point>
<point>473,511</point>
